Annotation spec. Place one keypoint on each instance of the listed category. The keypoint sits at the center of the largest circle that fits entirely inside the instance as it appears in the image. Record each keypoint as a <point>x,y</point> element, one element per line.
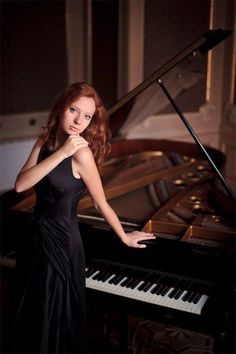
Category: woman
<point>63,162</point>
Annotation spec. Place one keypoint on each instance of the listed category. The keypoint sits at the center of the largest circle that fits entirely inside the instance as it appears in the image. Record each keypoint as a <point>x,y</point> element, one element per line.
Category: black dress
<point>51,316</point>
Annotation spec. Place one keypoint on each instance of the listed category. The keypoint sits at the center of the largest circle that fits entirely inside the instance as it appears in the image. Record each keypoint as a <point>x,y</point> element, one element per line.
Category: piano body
<point>186,276</point>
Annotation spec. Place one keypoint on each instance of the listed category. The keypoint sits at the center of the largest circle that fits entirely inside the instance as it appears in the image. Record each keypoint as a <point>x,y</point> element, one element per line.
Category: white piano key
<point>201,303</point>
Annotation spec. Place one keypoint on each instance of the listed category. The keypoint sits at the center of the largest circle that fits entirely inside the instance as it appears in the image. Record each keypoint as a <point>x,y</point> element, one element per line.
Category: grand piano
<point>186,276</point>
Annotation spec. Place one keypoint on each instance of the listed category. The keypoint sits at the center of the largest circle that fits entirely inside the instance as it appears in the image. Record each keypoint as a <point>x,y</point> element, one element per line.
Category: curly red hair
<point>97,133</point>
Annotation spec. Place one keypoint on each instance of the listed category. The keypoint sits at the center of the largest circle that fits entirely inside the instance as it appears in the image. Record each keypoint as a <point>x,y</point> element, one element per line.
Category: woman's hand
<point>133,239</point>
<point>72,144</point>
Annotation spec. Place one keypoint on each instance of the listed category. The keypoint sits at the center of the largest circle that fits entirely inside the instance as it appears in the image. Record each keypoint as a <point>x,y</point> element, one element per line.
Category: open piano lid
<point>119,112</point>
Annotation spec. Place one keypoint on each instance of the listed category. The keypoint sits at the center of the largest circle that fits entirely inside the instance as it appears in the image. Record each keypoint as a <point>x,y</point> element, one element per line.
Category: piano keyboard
<point>154,287</point>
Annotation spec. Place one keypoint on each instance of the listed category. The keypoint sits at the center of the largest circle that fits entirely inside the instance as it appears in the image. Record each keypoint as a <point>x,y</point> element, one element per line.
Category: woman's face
<point>77,116</point>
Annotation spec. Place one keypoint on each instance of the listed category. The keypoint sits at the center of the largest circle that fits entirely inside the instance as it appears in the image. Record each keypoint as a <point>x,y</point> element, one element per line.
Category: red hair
<point>97,132</point>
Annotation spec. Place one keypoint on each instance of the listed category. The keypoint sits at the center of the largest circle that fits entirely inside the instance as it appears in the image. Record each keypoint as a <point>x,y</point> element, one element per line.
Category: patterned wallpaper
<point>33,44</point>
<point>170,26</point>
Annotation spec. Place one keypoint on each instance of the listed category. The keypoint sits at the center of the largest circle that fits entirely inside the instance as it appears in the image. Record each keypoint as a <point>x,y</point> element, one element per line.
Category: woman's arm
<point>31,172</point>
<point>87,169</point>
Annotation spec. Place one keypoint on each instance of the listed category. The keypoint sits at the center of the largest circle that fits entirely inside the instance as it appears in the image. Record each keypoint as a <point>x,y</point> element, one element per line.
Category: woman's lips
<point>73,129</point>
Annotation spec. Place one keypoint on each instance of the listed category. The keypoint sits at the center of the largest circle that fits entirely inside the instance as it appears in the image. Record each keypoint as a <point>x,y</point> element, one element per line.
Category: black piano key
<point>165,290</point>
<point>173,293</point>
<point>159,285</point>
<point>111,280</point>
<point>197,298</point>
<point>191,297</point>
<point>90,272</point>
<point>92,268</point>
<point>153,291</point>
<point>99,271</point>
<point>178,294</point>
<point>125,282</point>
<point>136,276</point>
<point>130,283</point>
<point>96,276</point>
<point>149,282</point>
<point>118,279</point>
<point>191,290</point>
<point>178,290</point>
<point>188,296</point>
<point>142,286</point>
<point>147,286</point>
<point>132,276</point>
<point>103,273</point>
<point>106,277</point>
<point>121,274</point>
<point>166,284</point>
<point>159,289</point>
<point>135,284</point>
<point>163,284</point>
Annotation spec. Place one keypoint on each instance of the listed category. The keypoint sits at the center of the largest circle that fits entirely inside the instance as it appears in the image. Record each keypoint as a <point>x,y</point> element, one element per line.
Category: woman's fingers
<point>135,239</point>
<point>78,140</point>
<point>72,144</point>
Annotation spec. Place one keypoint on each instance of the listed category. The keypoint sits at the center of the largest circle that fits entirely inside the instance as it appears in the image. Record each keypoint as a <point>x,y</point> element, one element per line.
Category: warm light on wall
<point>233,86</point>
<point>209,56</point>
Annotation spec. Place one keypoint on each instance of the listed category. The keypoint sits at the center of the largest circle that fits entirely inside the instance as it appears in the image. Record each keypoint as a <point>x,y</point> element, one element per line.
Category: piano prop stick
<point>199,144</point>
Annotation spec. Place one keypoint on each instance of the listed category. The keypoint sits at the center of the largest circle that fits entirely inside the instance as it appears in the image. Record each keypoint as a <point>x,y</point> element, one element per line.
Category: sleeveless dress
<point>51,317</point>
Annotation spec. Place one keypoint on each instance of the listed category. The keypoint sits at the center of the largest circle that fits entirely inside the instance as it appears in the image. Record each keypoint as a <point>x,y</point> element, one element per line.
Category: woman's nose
<point>78,119</point>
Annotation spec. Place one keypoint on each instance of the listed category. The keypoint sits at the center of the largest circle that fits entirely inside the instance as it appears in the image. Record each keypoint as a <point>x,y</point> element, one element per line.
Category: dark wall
<point>105,49</point>
<point>33,44</point>
<point>170,26</point>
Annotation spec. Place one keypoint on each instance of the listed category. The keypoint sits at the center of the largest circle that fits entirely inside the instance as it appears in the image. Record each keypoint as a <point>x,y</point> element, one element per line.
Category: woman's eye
<point>88,117</point>
<point>72,110</point>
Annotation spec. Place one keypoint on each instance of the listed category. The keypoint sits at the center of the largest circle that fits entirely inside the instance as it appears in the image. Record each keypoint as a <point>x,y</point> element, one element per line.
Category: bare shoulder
<point>83,154</point>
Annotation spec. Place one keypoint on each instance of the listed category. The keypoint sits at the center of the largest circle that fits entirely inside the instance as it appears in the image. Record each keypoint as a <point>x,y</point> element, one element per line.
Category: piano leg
<point>107,330</point>
<point>123,332</point>
<point>120,320</point>
<point>225,340</point>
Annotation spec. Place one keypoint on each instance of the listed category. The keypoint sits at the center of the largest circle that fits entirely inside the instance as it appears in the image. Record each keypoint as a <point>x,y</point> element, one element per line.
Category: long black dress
<point>51,316</point>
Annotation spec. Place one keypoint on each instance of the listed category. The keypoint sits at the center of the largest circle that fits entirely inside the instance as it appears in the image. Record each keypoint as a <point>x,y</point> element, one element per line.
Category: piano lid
<point>123,112</point>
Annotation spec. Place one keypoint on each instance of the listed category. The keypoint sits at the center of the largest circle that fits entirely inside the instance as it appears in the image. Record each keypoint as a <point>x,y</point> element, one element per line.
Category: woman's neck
<point>59,140</point>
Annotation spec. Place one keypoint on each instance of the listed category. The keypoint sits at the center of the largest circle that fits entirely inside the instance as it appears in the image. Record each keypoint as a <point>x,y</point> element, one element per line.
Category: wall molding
<point>130,45</point>
<point>22,126</point>
<point>79,41</point>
